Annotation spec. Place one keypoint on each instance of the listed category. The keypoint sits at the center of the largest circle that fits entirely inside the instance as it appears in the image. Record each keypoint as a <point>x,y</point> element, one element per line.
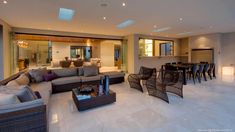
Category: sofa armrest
<point>30,119</point>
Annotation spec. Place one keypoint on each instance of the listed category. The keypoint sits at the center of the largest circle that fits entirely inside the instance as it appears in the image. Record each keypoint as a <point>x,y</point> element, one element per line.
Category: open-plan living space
<point>117,65</point>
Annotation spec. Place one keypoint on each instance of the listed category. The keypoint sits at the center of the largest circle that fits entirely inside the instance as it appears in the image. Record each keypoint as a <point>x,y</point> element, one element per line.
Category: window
<point>149,47</point>
<point>166,49</point>
<point>84,52</point>
<point>145,47</point>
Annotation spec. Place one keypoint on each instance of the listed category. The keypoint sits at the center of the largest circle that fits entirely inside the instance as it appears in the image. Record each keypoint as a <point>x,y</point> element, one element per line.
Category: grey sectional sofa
<point>32,115</point>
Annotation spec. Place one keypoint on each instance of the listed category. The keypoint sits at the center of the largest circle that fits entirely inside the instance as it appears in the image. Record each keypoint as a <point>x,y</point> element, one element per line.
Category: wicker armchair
<point>166,81</point>
<point>144,74</point>
<point>78,63</point>
<point>65,63</point>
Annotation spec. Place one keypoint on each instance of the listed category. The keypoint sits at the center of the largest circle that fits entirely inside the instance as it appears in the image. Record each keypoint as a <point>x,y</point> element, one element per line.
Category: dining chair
<point>200,72</point>
<point>205,70</point>
<point>193,72</point>
<point>211,70</point>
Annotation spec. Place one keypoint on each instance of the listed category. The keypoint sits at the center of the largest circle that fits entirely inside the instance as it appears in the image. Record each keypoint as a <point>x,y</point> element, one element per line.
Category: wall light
<point>227,70</point>
<point>22,44</point>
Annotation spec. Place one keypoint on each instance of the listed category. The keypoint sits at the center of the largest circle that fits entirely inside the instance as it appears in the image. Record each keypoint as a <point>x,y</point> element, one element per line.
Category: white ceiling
<point>199,16</point>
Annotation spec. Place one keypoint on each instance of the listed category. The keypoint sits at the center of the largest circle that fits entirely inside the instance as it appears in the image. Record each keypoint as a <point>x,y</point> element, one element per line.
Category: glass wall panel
<point>32,53</point>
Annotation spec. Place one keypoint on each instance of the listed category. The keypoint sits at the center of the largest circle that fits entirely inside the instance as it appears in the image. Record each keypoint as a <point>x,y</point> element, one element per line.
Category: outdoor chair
<point>166,81</point>
<point>135,79</point>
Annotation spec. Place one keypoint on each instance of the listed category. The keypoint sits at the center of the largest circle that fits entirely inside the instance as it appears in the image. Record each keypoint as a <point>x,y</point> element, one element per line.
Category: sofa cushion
<point>80,71</point>
<point>65,72</point>
<point>22,80</point>
<point>24,93</point>
<point>37,74</point>
<point>114,74</point>
<point>7,99</point>
<point>20,106</point>
<point>66,80</point>
<point>91,78</point>
<point>13,83</point>
<point>45,90</point>
<point>90,71</point>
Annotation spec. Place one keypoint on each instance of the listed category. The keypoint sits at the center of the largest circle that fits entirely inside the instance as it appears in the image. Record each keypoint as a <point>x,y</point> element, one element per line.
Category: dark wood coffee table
<point>94,101</point>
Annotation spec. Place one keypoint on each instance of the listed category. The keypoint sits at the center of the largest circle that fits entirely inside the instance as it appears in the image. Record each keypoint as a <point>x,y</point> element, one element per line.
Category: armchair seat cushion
<point>66,80</point>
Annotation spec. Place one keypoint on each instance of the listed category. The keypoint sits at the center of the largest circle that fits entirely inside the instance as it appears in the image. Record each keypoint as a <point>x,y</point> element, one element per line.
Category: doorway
<point>202,55</point>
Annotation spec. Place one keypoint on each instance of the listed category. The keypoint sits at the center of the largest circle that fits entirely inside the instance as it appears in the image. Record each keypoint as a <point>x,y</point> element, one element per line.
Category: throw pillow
<point>37,74</point>
<point>49,76</point>
<point>24,93</point>
<point>6,99</point>
<point>13,83</point>
<point>90,71</point>
<point>22,80</point>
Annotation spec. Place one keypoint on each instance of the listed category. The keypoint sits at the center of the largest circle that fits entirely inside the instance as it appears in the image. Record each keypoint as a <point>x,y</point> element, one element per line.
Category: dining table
<point>183,67</point>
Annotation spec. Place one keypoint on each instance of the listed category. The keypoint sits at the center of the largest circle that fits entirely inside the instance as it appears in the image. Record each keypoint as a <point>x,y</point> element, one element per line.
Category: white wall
<point>107,52</point>
<point>228,49</point>
<point>205,42</point>
<point>5,53</point>
<point>132,56</point>
<point>60,50</point>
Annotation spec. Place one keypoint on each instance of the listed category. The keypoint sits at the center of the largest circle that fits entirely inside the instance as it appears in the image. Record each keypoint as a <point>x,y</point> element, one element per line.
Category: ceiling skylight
<point>66,14</point>
<point>162,29</point>
<point>184,33</point>
<point>126,23</point>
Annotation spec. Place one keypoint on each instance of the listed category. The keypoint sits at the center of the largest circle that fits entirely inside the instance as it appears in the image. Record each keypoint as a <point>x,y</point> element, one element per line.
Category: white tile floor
<point>205,107</point>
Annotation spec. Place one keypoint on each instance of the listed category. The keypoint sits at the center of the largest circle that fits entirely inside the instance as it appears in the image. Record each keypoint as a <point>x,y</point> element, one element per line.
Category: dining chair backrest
<point>206,67</point>
<point>212,66</point>
<point>170,67</point>
<point>194,68</point>
<point>201,66</point>
<point>173,63</point>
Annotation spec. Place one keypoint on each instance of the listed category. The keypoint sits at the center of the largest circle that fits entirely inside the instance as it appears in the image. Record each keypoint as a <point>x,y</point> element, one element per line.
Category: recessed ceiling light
<point>66,14</point>
<point>181,19</point>
<point>4,2</point>
<point>155,26</point>
<point>123,4</point>
<point>162,29</point>
<point>126,23</point>
<point>104,18</point>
